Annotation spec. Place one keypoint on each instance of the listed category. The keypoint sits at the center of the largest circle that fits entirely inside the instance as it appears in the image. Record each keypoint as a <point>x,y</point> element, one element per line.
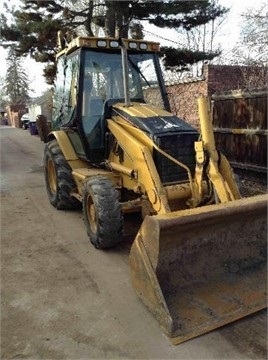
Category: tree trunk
<point>110,21</point>
<point>88,20</point>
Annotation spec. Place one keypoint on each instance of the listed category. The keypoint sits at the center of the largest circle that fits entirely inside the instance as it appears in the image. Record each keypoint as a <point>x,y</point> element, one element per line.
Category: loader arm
<point>218,169</point>
<point>201,268</point>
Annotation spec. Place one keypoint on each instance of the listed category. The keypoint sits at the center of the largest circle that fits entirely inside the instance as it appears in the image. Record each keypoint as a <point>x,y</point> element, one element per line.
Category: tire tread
<point>107,206</point>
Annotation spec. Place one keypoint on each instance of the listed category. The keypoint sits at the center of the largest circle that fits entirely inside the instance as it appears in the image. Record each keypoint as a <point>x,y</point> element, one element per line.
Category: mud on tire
<point>102,212</point>
<point>59,179</point>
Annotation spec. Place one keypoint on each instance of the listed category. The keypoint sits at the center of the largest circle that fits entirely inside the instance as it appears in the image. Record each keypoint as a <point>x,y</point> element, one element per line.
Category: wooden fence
<point>240,128</point>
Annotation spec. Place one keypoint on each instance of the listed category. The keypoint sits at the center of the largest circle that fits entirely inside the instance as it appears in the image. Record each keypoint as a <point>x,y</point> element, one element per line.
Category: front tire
<point>102,212</point>
<point>59,180</point>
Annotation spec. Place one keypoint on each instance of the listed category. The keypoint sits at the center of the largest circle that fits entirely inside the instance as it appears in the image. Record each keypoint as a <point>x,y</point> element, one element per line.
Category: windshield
<point>103,77</point>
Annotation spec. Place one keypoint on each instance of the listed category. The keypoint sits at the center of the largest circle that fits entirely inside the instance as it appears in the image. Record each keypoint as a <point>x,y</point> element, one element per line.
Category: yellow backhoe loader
<point>198,261</point>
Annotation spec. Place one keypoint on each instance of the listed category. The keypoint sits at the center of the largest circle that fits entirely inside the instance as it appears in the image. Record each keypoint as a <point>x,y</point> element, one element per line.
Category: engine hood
<point>152,120</point>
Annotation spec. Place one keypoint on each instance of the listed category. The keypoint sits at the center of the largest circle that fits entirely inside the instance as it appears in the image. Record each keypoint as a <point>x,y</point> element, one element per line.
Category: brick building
<point>216,78</point>
<point>41,105</point>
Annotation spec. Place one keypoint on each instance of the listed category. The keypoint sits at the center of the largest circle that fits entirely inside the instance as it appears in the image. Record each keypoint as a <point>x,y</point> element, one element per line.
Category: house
<point>41,106</point>
<point>14,114</point>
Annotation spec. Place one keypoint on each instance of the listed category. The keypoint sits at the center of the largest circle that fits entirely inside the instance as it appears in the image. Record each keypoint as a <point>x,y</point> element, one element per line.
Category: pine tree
<point>37,22</point>
<point>16,81</point>
<point>3,96</point>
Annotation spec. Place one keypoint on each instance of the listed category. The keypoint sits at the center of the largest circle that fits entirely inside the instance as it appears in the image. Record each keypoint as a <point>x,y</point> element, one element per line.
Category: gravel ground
<point>251,184</point>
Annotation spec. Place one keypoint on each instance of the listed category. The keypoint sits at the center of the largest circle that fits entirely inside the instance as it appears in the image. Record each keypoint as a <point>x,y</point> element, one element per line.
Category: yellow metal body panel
<point>81,174</point>
<point>81,170</point>
<point>65,145</point>
<point>135,132</point>
<point>146,111</point>
<point>139,158</point>
<point>142,110</point>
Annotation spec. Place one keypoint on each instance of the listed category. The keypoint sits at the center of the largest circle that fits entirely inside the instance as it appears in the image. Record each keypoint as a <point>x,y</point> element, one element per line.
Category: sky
<point>228,37</point>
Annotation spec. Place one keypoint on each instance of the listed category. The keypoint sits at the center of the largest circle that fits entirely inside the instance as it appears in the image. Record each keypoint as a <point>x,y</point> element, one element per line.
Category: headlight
<point>143,46</point>
<point>101,43</point>
<point>132,45</point>
<point>114,44</point>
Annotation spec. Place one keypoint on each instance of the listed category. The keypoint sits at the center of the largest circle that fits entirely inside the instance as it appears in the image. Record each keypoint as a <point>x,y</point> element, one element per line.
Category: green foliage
<point>136,31</point>
<point>36,24</point>
<point>176,14</point>
<point>181,58</point>
<point>50,74</point>
<point>16,84</point>
<point>3,96</point>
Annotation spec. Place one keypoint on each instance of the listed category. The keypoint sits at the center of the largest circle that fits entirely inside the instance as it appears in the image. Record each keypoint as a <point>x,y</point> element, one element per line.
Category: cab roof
<point>107,43</point>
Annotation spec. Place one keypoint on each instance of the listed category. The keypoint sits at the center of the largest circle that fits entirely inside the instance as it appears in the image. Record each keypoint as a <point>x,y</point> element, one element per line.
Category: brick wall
<point>183,96</point>
<point>183,100</point>
<point>224,77</point>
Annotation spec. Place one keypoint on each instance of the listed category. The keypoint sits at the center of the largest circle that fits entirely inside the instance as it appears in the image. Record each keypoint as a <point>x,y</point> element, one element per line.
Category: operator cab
<point>90,80</point>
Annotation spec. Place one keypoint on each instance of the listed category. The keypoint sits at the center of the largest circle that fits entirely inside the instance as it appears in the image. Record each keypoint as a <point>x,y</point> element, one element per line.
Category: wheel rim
<point>91,214</point>
<point>51,172</point>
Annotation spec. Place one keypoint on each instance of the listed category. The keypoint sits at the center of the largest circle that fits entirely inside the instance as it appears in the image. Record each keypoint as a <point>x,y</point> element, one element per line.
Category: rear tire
<point>59,179</point>
<point>102,213</point>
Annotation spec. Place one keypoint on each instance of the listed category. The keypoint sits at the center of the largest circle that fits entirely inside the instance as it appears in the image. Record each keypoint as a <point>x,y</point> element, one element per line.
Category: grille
<point>181,147</point>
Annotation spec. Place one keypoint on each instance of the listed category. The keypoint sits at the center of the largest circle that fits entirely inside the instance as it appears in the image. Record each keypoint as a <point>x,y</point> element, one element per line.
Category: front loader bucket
<point>199,269</point>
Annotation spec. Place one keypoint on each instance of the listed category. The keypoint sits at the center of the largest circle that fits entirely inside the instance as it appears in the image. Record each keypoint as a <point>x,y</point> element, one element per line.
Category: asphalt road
<point>63,299</point>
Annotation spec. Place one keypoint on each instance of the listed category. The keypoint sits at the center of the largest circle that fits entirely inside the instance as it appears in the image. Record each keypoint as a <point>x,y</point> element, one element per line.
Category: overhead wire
<point>161,37</point>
